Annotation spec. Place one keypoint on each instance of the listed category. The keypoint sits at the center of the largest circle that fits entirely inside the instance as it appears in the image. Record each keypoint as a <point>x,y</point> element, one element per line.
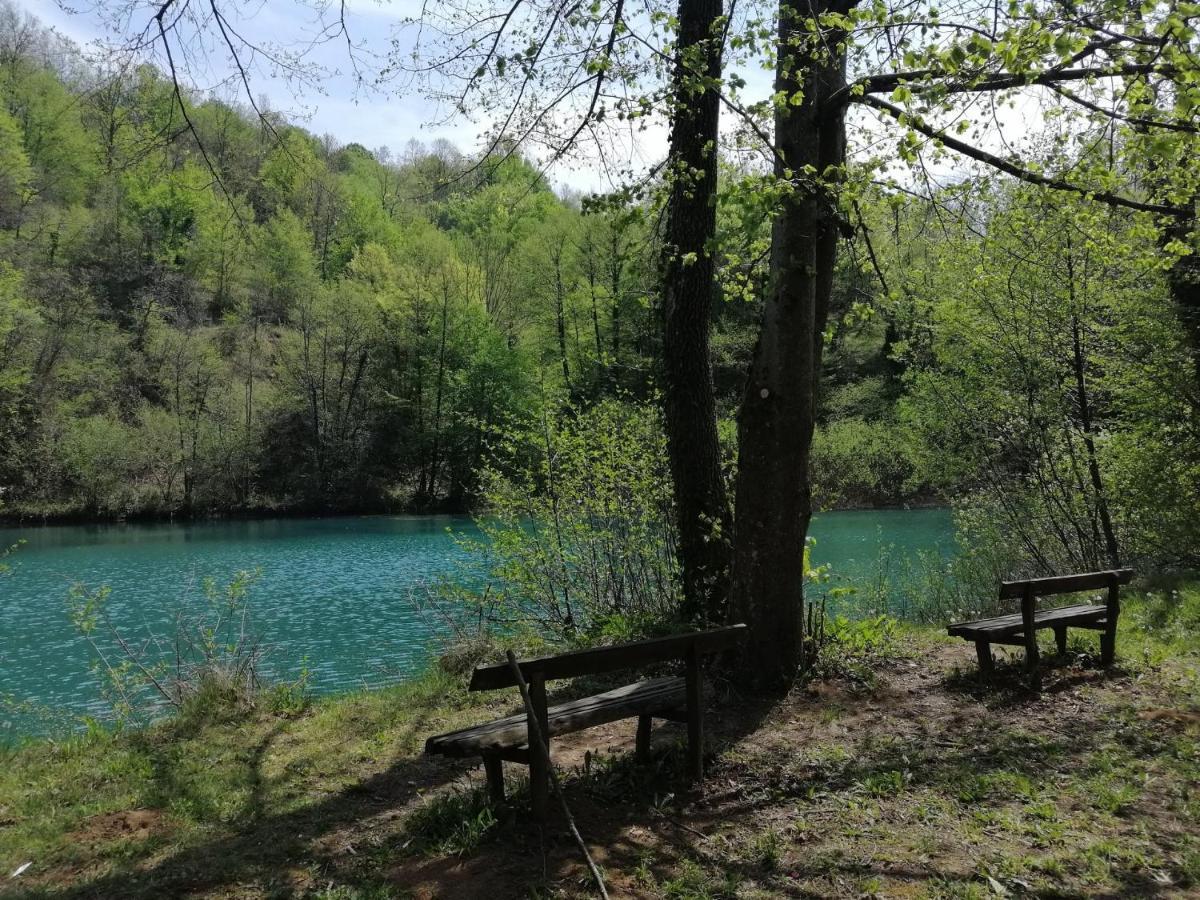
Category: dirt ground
<point>926,784</point>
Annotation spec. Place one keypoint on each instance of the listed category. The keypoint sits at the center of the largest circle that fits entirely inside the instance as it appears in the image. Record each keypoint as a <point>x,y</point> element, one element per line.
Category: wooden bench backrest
<point>1065,584</point>
<point>609,659</point>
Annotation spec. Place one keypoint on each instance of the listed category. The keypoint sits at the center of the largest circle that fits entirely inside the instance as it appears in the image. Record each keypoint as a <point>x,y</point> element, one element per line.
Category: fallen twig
<point>542,748</point>
<point>678,824</point>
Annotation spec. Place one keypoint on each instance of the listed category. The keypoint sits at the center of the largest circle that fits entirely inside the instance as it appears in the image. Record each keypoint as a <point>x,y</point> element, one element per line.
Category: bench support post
<point>1028,623</point>
<point>1108,637</point>
<point>539,759</point>
<point>983,650</point>
<point>493,767</point>
<point>1060,639</point>
<point>695,711</point>
<point>642,745</point>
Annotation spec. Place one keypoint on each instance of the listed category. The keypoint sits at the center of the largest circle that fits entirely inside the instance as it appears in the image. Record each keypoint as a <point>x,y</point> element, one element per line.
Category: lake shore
<point>33,518</point>
<point>30,517</point>
<point>897,772</point>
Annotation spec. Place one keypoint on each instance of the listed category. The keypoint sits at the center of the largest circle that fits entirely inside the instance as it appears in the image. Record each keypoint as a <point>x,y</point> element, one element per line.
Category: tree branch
<point>883,84</point>
<point>1010,168</point>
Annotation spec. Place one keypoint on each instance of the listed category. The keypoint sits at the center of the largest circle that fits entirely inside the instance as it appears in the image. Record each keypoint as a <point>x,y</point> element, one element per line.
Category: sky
<point>389,117</point>
<point>397,114</point>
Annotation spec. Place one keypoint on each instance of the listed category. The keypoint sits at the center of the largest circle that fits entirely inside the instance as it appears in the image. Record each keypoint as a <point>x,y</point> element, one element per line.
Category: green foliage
<point>1048,389</point>
<point>209,663</point>
<point>859,462</point>
<point>855,649</point>
<point>579,545</point>
<point>301,326</point>
<point>16,172</point>
<point>453,823</point>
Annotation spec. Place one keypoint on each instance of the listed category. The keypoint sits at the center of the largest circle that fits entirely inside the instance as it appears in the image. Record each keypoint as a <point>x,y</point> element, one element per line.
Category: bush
<point>856,462</point>
<point>578,547</point>
<point>208,663</point>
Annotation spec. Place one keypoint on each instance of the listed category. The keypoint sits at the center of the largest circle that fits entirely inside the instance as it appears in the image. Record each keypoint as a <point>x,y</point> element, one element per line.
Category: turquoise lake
<point>334,595</point>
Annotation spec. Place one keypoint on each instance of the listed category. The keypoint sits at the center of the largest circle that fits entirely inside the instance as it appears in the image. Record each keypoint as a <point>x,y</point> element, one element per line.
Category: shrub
<point>209,661</point>
<point>579,545</point>
<point>856,462</point>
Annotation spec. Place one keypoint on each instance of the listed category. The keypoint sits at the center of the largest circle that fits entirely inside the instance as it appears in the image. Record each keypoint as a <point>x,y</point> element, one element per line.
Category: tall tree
<point>688,295</point>
<point>775,425</point>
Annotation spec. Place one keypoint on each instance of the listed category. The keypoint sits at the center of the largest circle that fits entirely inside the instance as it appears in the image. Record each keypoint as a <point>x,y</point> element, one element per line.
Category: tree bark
<point>435,456</point>
<point>616,265</point>
<point>1083,403</point>
<point>775,427</point>
<point>701,503</point>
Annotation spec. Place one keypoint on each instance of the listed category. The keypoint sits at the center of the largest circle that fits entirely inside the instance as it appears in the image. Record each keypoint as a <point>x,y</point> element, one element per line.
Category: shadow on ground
<point>941,730</point>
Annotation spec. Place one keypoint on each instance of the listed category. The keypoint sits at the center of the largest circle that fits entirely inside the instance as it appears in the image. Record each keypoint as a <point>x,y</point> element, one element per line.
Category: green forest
<point>304,326</point>
<point>206,311</point>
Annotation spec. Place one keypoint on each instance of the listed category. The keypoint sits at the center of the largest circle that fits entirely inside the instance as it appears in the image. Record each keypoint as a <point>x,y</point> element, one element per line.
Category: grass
<point>898,773</point>
<point>207,774</point>
<point>452,823</point>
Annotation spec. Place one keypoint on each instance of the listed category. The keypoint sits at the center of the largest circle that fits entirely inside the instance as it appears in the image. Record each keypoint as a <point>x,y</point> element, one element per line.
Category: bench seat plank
<point>1010,625</point>
<point>657,695</point>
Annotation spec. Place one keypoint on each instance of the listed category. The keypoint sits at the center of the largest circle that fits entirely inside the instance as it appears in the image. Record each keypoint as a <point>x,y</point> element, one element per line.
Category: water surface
<point>335,596</point>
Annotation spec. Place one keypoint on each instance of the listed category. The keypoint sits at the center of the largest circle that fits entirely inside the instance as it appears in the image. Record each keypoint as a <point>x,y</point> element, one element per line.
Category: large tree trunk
<point>775,428</point>
<point>688,295</point>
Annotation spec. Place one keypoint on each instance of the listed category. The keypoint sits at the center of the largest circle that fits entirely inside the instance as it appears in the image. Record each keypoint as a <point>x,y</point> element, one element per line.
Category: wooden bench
<point>1020,629</point>
<point>673,698</point>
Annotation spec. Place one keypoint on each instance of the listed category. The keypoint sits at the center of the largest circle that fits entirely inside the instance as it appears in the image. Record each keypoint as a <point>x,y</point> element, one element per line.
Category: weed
<point>885,784</point>
<point>453,823</point>
<point>767,850</point>
<point>691,882</point>
<point>291,698</point>
<point>1189,867</point>
<point>1111,796</point>
<point>855,650</point>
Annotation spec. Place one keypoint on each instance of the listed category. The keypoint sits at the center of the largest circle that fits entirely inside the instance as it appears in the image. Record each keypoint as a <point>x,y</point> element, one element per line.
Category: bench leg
<point>1033,663</point>
<point>493,766</point>
<point>695,715</point>
<point>642,746</point>
<point>1029,636</point>
<point>983,650</point>
<point>1108,646</point>
<point>1108,637</point>
<point>539,786</point>
<point>1060,638</point>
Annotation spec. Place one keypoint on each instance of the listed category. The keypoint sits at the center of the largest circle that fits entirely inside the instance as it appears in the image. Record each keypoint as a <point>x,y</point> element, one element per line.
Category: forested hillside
<point>220,312</point>
<point>214,312</point>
